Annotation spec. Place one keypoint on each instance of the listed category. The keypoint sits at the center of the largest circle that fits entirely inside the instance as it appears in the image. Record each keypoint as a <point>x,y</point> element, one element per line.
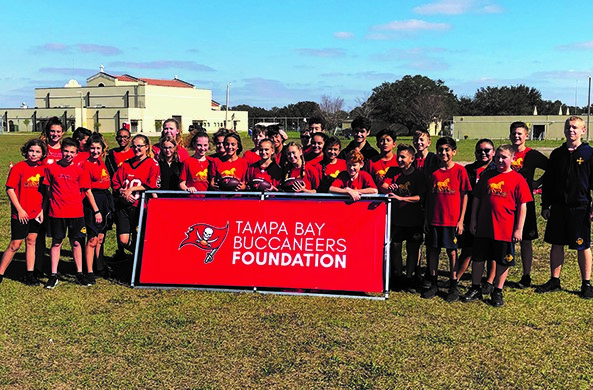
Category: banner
<point>273,243</point>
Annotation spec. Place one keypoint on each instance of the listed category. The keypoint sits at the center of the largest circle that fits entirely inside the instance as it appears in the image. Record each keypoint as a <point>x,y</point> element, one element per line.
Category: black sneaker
<point>453,294</point>
<point>525,281</point>
<point>90,277</point>
<point>30,279</point>
<point>496,298</point>
<point>586,291</point>
<point>549,286</point>
<point>411,286</point>
<point>473,294</point>
<point>51,282</point>
<point>429,292</point>
<point>487,288</point>
<point>81,280</point>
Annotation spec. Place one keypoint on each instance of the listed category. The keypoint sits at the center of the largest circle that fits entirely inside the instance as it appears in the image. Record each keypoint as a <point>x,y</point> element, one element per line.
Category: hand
<point>98,218</point>
<point>393,196</point>
<point>355,195</point>
<point>298,186</point>
<point>473,228</point>
<point>460,228</point>
<point>393,187</point>
<point>517,235</point>
<point>191,190</point>
<point>546,214</point>
<point>39,217</point>
<point>22,216</point>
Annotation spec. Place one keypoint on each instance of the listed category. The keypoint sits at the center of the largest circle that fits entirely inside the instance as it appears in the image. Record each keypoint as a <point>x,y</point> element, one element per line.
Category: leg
<point>432,255</point>
<point>477,271</point>
<point>56,247</point>
<point>8,255</point>
<point>452,254</point>
<point>30,253</point>
<point>491,271</point>
<point>526,256</point>
<point>77,253</point>
<point>584,257</point>
<point>413,249</point>
<point>396,258</point>
<point>463,263</point>
<point>557,260</point>
<point>501,275</point>
<point>89,254</point>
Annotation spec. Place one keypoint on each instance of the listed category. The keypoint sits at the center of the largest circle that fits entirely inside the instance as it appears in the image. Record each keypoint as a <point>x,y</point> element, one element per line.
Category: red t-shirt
<point>500,194</point>
<point>236,169</point>
<point>313,158</point>
<point>447,188</point>
<point>310,173</point>
<point>132,174</point>
<point>81,157</point>
<point>251,157</point>
<point>406,213</point>
<point>334,169</point>
<point>181,152</point>
<point>362,181</point>
<point>378,168</point>
<point>96,174</point>
<point>122,156</point>
<point>527,161</point>
<point>272,173</point>
<point>53,154</point>
<point>66,185</point>
<point>25,179</point>
<point>195,173</point>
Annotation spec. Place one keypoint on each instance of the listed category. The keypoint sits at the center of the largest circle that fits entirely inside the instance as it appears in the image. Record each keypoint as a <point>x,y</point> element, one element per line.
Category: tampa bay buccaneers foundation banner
<point>274,243</point>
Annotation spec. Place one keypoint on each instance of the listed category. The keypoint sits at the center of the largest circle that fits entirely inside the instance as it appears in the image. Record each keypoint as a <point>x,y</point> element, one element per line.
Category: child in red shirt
<point>116,157</point>
<point>65,184</point>
<point>252,156</point>
<point>331,166</point>
<point>194,173</point>
<point>378,165</point>
<point>353,181</point>
<point>295,168</point>
<point>445,211</point>
<point>264,169</point>
<point>498,215</point>
<point>229,165</point>
<point>22,188</point>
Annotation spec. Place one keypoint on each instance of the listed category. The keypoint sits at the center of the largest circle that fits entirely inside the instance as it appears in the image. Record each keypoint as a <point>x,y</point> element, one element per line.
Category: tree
<point>332,111</point>
<point>365,107</point>
<point>404,101</point>
<point>26,123</point>
<point>513,100</point>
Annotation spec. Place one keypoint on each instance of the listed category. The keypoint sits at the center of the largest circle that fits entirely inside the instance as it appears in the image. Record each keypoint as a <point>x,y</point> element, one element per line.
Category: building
<point>107,102</point>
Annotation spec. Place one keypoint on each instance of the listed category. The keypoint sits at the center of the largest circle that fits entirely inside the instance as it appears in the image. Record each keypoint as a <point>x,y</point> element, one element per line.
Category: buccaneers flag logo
<point>206,237</point>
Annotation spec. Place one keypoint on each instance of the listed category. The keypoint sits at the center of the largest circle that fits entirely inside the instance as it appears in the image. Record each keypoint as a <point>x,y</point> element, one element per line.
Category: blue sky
<point>279,52</point>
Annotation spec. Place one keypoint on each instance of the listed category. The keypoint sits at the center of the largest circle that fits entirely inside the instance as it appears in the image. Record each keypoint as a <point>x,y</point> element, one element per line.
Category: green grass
<point>111,336</point>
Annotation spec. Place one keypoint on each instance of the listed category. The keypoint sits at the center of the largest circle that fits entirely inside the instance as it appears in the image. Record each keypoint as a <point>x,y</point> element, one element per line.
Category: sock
<point>586,282</point>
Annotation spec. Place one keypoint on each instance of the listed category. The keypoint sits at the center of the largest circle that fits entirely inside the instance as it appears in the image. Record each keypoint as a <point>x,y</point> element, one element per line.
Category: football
<point>288,183</point>
<point>260,185</point>
<point>228,183</point>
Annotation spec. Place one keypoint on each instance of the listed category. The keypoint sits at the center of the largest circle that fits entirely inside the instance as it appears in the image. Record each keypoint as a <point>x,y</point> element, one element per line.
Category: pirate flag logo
<point>206,237</point>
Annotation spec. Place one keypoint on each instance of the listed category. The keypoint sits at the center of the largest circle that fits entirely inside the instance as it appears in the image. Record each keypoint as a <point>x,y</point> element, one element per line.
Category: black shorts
<point>486,249</point>
<point>466,240</point>
<point>442,237</point>
<point>20,231</point>
<point>104,202</point>
<point>126,219</point>
<point>569,225</point>
<point>410,234</point>
<point>530,227</point>
<point>59,226</point>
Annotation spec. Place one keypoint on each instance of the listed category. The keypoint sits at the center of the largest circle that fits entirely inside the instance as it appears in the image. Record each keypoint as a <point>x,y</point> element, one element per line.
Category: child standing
<point>425,160</point>
<point>406,186</point>
<point>353,181</point>
<point>194,173</point>
<point>566,205</point>
<point>22,188</point>
<point>331,166</point>
<point>445,212</point>
<point>378,165</point>
<point>498,215</point>
<point>64,180</point>
<point>264,169</point>
<point>361,128</point>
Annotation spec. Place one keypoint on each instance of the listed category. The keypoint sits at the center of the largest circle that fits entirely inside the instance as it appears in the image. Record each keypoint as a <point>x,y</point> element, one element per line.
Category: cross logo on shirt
<point>580,160</point>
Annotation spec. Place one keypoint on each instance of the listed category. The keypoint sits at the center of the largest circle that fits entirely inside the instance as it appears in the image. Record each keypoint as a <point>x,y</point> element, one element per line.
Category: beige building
<point>497,127</point>
<point>107,102</point>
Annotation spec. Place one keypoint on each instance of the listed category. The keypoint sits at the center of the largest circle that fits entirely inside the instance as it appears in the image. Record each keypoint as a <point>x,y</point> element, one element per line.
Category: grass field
<point>112,336</point>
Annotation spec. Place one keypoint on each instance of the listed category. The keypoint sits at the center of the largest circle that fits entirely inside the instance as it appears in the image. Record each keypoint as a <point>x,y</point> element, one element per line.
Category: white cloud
<point>327,52</point>
<point>343,35</point>
<point>411,25</point>
<point>457,7</point>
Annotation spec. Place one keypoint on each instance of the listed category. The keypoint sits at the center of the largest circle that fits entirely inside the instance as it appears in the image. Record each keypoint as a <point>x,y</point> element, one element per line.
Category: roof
<point>163,83</point>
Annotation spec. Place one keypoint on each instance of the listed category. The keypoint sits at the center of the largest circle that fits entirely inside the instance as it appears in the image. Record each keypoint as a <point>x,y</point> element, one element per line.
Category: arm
<point>97,212</point>
<point>21,213</point>
<point>407,199</point>
<point>354,194</point>
<point>519,222</point>
<point>474,219</point>
<point>462,214</point>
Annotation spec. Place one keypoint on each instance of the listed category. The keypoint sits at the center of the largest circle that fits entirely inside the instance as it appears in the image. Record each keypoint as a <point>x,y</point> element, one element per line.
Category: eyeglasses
<point>138,146</point>
<point>123,137</point>
<point>485,151</point>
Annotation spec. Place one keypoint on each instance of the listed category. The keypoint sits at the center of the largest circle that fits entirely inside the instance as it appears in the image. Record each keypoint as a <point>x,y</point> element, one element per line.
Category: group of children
<point>483,208</point>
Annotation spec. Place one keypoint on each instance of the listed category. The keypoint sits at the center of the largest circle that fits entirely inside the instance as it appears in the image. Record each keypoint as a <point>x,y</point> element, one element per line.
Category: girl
<point>218,140</point>
<point>98,203</point>
<point>22,187</point>
<point>115,157</point>
<point>171,128</point>
<point>52,136</point>
<point>135,175</point>
<point>81,135</point>
<point>229,165</point>
<point>295,168</point>
<point>194,173</point>
<point>252,156</point>
<point>169,164</point>
<point>315,154</point>
<point>331,165</point>
<point>266,168</point>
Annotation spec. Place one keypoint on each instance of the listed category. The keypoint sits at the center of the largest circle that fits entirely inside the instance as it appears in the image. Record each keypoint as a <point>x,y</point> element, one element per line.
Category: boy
<point>407,187</point>
<point>566,205</point>
<point>361,128</point>
<point>425,161</point>
<point>65,187</point>
<point>378,165</point>
<point>526,161</point>
<point>498,215</point>
<point>445,211</point>
<point>353,181</point>
<point>252,156</point>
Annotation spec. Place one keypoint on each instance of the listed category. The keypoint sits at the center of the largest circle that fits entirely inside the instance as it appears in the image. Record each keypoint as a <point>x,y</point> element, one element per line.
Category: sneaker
<point>496,298</point>
<point>429,292</point>
<point>51,282</point>
<point>453,294</point>
<point>586,291</point>
<point>411,286</point>
<point>90,277</point>
<point>81,280</point>
<point>473,294</point>
<point>31,280</point>
<point>487,288</point>
<point>549,286</point>
<point>525,281</point>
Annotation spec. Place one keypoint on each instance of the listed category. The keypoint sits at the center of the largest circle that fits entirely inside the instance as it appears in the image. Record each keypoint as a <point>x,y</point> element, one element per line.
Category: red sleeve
<point>85,176</point>
<point>117,180</point>
<point>14,176</point>
<point>367,181</point>
<point>154,175</point>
